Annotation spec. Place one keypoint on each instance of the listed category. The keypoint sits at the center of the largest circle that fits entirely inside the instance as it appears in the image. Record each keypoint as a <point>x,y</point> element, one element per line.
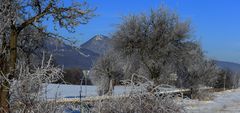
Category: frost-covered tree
<point>106,73</point>
<point>162,46</point>
<point>194,68</point>
<point>156,40</point>
<point>17,15</point>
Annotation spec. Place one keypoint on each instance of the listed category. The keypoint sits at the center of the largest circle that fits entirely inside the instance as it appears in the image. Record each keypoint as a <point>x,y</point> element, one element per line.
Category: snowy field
<point>69,91</point>
<point>223,102</point>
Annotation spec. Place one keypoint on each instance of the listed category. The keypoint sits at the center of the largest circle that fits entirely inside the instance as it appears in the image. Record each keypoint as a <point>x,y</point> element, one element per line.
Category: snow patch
<point>223,102</point>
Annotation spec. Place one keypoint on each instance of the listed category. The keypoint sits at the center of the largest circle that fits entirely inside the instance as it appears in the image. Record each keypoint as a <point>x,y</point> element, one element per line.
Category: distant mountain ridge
<point>228,65</point>
<point>98,44</point>
<point>83,57</point>
<point>70,57</point>
<point>89,51</point>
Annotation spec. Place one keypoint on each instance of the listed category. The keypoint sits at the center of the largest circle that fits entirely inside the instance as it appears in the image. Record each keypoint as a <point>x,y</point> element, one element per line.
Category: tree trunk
<point>13,48</point>
<point>111,86</point>
<point>4,97</point>
<point>4,88</point>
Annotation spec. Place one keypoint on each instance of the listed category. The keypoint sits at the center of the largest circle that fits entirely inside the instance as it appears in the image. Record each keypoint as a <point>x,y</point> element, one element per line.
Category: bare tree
<point>155,40</point>
<point>106,73</point>
<point>31,42</point>
<point>164,50</point>
<point>34,12</point>
<point>17,15</point>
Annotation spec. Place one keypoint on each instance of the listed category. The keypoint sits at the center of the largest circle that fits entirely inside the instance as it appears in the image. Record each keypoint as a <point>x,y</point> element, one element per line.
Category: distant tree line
<point>74,76</point>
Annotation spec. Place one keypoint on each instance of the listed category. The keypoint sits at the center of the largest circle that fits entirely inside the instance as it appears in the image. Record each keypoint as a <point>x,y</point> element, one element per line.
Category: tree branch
<point>37,17</point>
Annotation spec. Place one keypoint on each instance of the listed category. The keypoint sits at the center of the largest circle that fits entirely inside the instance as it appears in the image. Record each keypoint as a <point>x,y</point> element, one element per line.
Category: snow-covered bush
<point>143,98</point>
<point>27,90</point>
<point>138,104</point>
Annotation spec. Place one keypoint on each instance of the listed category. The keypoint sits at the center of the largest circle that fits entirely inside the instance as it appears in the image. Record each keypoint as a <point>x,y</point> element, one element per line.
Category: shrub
<point>140,100</point>
<point>138,104</point>
<point>28,91</point>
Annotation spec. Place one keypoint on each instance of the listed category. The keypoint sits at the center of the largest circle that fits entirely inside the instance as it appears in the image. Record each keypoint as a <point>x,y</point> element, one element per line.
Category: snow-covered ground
<point>70,91</point>
<point>223,102</point>
<point>63,91</point>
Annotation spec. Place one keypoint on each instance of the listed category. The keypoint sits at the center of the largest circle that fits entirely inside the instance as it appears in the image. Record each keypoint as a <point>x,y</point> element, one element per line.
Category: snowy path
<point>223,102</point>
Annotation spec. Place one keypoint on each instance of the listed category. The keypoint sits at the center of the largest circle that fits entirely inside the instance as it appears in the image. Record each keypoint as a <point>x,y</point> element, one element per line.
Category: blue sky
<point>216,23</point>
